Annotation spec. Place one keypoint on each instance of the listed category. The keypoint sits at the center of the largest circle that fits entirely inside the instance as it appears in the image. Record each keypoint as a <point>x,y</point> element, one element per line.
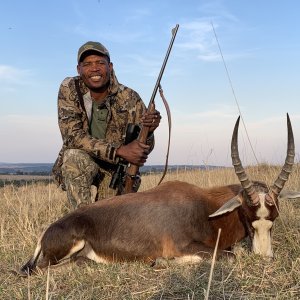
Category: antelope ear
<point>286,194</point>
<point>229,206</point>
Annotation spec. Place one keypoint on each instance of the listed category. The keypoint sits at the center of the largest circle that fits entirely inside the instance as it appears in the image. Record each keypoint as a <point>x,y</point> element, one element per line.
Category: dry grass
<point>25,211</point>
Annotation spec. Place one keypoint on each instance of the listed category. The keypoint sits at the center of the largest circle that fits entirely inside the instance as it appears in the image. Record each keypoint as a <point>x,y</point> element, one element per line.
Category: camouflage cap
<point>92,46</point>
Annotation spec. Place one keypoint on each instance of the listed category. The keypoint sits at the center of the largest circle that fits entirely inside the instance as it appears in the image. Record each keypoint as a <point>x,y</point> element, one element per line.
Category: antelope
<point>175,221</point>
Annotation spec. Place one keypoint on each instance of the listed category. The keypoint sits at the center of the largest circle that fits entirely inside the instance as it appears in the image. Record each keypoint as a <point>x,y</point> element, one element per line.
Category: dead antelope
<point>175,220</point>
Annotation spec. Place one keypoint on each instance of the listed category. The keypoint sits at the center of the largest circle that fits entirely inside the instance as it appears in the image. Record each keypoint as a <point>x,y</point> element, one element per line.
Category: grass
<point>26,210</point>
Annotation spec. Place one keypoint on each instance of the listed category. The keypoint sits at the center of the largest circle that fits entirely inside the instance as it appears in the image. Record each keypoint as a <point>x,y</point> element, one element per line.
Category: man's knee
<point>78,172</point>
<point>76,158</point>
<point>77,162</point>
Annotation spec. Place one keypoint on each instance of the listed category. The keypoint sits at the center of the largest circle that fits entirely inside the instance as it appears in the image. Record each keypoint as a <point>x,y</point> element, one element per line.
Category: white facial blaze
<point>262,243</point>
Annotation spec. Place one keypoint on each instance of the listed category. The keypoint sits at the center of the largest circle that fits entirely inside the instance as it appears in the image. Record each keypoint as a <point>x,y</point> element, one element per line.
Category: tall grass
<point>27,210</point>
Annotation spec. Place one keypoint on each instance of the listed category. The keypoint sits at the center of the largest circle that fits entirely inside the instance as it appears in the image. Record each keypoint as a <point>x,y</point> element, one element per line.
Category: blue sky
<point>260,42</point>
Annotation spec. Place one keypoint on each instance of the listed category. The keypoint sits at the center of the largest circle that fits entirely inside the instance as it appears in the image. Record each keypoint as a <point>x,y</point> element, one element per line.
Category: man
<point>94,110</point>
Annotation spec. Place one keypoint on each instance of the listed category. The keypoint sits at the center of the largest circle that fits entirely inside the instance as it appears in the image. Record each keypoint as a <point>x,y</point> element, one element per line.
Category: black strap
<point>80,97</point>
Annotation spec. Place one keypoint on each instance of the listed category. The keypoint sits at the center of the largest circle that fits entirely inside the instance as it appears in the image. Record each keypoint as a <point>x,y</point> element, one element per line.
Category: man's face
<point>95,72</point>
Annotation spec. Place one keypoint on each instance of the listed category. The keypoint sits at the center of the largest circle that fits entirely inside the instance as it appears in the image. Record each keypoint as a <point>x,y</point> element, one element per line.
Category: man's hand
<point>135,152</point>
<point>151,119</point>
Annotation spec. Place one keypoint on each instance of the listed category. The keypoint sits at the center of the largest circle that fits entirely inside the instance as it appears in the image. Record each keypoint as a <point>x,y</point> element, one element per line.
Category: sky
<point>259,42</point>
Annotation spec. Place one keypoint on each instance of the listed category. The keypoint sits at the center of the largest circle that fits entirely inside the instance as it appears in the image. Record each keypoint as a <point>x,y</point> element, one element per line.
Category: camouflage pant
<point>80,172</point>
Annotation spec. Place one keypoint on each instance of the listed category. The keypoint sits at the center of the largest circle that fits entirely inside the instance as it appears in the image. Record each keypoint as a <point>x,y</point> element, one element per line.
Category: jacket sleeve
<point>73,125</point>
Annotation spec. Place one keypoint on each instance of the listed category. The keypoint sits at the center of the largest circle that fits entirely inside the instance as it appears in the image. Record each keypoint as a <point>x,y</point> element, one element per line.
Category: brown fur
<point>170,220</point>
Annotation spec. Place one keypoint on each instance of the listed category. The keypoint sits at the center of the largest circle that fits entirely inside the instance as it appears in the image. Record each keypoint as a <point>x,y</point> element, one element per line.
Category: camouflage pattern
<point>124,106</point>
<point>80,171</point>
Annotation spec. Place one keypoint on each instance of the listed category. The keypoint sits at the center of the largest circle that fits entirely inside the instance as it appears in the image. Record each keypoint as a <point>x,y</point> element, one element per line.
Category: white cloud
<point>199,26</point>
<point>217,10</point>
<point>206,137</point>
<point>220,113</point>
<point>13,75</point>
<point>137,14</point>
<point>200,36</point>
<point>196,138</point>
<point>197,36</point>
<point>121,36</point>
<point>29,138</point>
<point>137,64</point>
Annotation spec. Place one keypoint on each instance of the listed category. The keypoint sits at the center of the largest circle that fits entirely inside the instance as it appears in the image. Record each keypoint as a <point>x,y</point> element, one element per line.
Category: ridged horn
<point>289,161</point>
<point>239,170</point>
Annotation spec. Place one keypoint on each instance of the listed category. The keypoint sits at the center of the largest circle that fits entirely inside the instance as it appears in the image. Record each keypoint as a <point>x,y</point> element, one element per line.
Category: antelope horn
<point>289,161</point>
<point>239,170</point>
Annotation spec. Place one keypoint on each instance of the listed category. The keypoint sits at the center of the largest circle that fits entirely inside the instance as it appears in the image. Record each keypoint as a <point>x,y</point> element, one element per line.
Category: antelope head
<point>257,202</point>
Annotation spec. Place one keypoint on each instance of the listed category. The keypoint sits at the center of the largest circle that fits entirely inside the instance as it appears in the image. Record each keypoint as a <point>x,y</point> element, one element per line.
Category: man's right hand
<point>135,152</point>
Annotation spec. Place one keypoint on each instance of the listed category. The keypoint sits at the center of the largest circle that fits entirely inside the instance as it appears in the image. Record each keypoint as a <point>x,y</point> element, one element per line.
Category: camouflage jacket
<point>124,106</point>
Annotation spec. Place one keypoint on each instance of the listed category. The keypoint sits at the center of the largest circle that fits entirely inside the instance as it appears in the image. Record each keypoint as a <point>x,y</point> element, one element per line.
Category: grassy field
<point>19,180</point>
<point>26,210</point>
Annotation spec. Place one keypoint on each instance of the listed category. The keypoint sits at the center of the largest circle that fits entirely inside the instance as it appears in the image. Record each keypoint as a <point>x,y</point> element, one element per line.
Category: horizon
<point>259,41</point>
<point>46,163</point>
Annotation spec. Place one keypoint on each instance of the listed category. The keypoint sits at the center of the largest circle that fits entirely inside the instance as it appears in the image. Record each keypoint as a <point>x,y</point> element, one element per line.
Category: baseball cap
<point>92,46</point>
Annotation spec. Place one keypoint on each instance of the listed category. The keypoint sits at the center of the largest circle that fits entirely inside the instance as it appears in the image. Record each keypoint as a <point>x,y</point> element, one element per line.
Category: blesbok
<point>175,220</point>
